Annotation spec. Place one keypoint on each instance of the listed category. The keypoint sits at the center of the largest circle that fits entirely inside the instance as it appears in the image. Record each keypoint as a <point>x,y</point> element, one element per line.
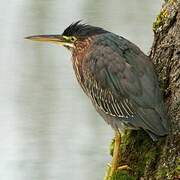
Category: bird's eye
<point>73,39</point>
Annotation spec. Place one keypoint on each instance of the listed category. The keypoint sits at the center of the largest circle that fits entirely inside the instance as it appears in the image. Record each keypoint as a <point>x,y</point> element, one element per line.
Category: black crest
<point>82,30</point>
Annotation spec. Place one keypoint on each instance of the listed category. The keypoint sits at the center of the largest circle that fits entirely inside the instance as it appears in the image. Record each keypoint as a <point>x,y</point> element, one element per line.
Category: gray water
<point>49,129</point>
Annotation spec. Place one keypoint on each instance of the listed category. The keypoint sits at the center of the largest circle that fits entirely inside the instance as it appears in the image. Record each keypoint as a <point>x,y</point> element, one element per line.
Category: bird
<point>118,78</point>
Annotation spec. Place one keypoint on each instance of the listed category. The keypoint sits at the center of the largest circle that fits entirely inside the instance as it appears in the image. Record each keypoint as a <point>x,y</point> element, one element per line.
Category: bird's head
<point>72,36</point>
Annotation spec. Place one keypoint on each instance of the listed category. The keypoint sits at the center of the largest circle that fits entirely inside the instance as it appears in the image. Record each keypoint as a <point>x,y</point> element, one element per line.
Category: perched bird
<point>117,77</point>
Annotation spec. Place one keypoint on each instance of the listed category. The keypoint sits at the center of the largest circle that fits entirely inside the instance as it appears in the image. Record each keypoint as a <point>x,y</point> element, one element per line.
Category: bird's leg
<point>116,157</point>
<point>116,153</point>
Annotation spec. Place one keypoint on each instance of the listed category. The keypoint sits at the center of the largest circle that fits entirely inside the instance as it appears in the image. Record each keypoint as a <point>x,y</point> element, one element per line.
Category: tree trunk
<point>160,160</point>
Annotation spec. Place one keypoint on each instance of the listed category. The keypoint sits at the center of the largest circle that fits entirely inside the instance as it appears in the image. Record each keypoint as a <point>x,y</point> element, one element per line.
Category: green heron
<point>118,78</point>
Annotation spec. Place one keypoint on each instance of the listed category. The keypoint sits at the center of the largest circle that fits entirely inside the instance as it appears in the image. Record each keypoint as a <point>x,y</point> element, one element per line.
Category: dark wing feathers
<point>106,101</point>
<point>120,68</point>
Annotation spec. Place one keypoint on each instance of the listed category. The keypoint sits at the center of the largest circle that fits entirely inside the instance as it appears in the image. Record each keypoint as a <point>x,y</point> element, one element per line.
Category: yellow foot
<point>110,171</point>
<point>114,167</point>
<point>124,167</point>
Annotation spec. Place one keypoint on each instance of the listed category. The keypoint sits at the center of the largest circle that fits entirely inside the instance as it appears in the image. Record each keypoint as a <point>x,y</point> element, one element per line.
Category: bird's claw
<point>109,171</point>
<point>124,167</point>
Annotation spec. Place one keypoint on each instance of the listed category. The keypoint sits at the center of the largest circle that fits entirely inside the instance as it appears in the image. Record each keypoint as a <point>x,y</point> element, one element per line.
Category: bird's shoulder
<point>117,53</point>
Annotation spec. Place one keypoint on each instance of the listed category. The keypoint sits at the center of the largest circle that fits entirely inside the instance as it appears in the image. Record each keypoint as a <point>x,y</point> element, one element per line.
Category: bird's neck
<point>78,57</point>
<point>81,48</point>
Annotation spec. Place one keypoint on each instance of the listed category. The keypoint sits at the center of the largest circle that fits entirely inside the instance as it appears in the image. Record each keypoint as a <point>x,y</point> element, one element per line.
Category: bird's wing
<point>119,67</point>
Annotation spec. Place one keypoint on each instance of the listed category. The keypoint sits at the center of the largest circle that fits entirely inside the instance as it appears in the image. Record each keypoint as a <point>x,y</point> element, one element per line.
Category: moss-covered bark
<point>149,160</point>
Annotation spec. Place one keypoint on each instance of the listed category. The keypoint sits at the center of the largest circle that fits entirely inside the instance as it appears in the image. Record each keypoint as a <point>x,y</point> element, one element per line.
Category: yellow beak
<point>55,39</point>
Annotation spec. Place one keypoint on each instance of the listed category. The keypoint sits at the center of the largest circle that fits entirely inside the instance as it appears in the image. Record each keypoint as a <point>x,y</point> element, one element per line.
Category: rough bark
<point>149,160</point>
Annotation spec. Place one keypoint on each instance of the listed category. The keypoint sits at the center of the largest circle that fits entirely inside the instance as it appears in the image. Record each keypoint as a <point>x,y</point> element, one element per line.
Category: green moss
<point>162,173</point>
<point>178,169</point>
<point>111,148</point>
<point>160,20</point>
<point>172,1</point>
<point>178,166</point>
<point>139,152</point>
<point>123,175</point>
<point>167,13</point>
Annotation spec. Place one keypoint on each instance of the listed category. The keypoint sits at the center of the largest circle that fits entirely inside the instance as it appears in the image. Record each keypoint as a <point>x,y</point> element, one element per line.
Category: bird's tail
<point>154,122</point>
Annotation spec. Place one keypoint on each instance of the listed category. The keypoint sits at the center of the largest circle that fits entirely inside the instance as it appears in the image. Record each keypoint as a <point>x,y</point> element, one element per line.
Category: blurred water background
<point>48,128</point>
